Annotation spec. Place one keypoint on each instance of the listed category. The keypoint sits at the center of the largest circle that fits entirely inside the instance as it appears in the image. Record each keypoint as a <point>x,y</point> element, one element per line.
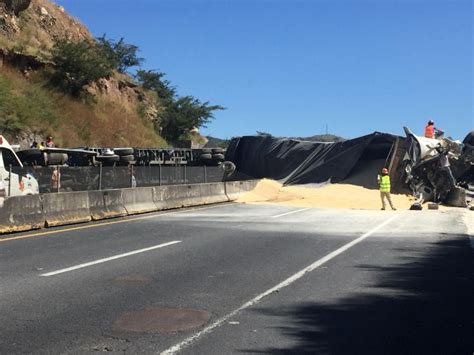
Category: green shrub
<point>25,107</point>
<point>78,64</point>
<point>121,54</point>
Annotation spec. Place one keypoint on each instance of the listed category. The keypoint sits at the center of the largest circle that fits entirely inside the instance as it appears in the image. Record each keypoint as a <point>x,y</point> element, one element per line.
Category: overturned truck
<point>440,170</point>
<point>414,167</point>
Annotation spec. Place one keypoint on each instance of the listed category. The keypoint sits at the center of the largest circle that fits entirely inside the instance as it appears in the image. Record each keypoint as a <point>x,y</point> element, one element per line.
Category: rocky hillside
<point>117,111</point>
<point>32,27</point>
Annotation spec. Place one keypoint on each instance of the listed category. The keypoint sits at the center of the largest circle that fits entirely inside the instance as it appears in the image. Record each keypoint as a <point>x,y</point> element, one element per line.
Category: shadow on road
<point>428,310</point>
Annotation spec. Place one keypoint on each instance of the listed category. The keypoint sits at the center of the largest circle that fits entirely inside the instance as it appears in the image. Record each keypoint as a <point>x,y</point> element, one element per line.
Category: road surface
<point>242,279</point>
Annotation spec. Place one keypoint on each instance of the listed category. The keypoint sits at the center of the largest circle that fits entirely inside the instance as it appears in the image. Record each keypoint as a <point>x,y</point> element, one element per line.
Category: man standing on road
<point>384,182</point>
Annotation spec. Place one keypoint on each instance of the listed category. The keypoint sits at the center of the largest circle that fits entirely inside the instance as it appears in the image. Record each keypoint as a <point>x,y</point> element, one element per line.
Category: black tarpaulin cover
<point>303,162</point>
<point>469,140</point>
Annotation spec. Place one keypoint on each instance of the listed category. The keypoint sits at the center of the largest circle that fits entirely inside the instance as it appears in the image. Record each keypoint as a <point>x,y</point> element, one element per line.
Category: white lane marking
<point>186,342</point>
<point>291,212</point>
<point>108,259</point>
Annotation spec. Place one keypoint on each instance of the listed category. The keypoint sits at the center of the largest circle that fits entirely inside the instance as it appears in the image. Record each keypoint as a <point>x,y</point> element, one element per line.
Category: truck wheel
<point>218,157</point>
<point>123,151</point>
<point>126,158</point>
<point>205,156</point>
<point>56,158</point>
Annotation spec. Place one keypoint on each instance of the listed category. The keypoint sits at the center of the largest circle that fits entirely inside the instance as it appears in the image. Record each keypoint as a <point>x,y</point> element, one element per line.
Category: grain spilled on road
<point>321,196</point>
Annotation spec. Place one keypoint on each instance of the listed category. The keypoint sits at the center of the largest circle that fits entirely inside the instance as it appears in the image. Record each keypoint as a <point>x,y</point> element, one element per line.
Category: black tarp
<point>469,140</point>
<point>303,162</point>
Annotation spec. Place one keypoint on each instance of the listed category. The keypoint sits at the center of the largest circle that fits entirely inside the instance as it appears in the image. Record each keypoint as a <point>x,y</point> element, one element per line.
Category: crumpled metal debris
<point>440,170</point>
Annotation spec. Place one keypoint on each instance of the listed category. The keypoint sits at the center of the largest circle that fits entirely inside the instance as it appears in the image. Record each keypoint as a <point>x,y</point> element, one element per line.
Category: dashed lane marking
<point>81,266</point>
<point>291,212</point>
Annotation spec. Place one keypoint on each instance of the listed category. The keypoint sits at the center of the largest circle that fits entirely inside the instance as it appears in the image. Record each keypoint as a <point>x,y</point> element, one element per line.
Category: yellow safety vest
<point>385,183</point>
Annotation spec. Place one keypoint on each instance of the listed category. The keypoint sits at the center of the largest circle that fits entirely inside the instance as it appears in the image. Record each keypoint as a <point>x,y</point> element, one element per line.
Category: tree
<point>184,114</point>
<point>78,64</point>
<point>153,80</point>
<point>123,55</point>
<point>17,6</point>
<point>181,114</point>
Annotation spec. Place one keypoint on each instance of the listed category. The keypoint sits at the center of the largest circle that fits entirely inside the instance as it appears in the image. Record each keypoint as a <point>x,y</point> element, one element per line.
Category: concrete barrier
<point>169,197</point>
<point>139,200</point>
<point>189,195</point>
<point>66,208</point>
<point>21,213</point>
<point>178,196</point>
<point>213,193</point>
<point>235,189</point>
<point>249,185</point>
<point>106,204</point>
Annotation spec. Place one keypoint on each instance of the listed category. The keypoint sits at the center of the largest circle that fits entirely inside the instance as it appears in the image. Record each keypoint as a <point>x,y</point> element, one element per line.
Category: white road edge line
<point>72,268</point>
<point>291,212</point>
<point>186,342</point>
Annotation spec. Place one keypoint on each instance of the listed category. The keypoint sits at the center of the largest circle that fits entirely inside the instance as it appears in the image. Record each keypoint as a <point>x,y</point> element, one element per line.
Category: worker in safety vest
<point>384,182</point>
<point>432,132</point>
<point>430,129</point>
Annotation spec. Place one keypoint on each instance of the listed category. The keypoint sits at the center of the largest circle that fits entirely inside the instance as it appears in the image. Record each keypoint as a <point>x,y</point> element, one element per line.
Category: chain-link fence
<point>64,178</point>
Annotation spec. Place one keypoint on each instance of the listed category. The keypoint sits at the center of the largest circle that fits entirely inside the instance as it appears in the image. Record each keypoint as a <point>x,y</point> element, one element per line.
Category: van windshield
<point>9,158</point>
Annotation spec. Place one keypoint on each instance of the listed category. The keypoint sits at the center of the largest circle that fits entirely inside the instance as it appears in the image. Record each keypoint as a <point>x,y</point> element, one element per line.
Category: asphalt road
<point>232,279</point>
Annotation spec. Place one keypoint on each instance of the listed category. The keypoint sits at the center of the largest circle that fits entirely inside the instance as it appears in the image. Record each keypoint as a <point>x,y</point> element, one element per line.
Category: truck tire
<point>205,156</point>
<point>32,157</point>
<point>107,159</point>
<point>218,157</point>
<point>126,158</point>
<point>123,151</point>
<point>56,158</point>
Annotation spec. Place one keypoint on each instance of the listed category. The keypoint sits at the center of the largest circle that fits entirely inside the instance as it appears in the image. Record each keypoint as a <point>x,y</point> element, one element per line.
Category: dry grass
<point>75,123</point>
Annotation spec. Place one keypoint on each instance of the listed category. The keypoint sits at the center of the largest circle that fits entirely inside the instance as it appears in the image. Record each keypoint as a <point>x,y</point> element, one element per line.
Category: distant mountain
<point>321,138</point>
<point>214,142</point>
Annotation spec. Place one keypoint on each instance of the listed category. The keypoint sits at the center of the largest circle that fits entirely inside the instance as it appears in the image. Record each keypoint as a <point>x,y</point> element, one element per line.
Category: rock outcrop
<point>34,26</point>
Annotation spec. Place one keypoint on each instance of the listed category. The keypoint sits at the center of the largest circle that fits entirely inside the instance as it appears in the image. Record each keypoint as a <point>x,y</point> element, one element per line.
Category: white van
<point>12,184</point>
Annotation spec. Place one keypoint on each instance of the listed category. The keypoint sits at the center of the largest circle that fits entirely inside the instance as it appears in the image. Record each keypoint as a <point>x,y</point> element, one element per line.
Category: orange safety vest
<point>429,131</point>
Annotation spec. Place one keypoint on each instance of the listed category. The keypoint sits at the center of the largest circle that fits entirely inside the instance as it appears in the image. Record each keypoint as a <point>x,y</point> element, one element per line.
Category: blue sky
<point>295,67</point>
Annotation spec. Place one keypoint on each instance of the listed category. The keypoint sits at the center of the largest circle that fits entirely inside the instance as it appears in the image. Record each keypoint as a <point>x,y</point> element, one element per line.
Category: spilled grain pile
<point>321,196</point>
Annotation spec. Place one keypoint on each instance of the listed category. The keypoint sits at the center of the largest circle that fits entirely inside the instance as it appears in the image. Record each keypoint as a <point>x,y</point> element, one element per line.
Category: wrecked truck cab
<point>434,168</point>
